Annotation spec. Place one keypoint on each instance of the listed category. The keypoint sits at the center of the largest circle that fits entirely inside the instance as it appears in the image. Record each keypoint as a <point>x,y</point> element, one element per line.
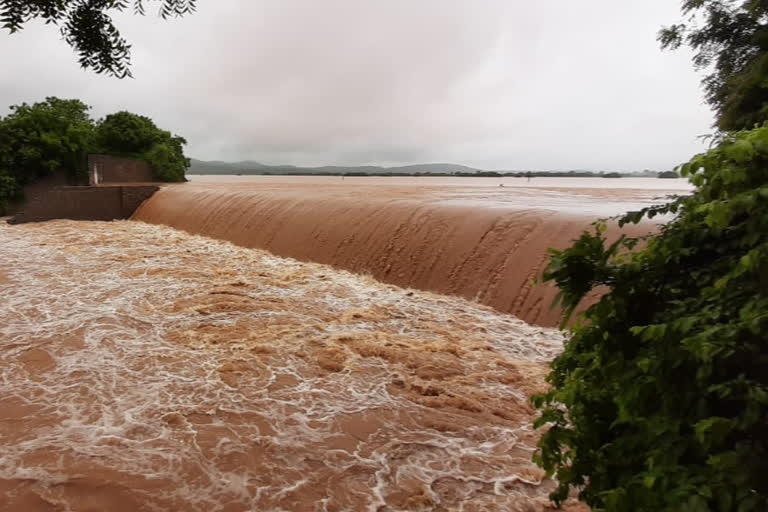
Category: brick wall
<point>83,203</point>
<point>112,169</point>
<point>133,196</point>
<point>39,186</point>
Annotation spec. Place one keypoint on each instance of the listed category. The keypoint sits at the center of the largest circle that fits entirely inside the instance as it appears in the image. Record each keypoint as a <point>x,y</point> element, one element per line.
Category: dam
<point>169,362</point>
<point>468,237</point>
<point>144,368</point>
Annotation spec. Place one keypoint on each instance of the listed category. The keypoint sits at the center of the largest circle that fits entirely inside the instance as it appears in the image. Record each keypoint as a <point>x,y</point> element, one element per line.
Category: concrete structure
<point>117,187</point>
<point>84,203</point>
<point>111,169</point>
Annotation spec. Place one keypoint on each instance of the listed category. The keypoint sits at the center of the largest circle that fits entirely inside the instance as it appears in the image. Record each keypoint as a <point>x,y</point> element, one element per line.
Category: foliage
<point>9,190</point>
<point>38,139</point>
<point>167,162</point>
<point>730,37</point>
<point>124,132</point>
<point>660,400</point>
<point>87,27</point>
<point>56,135</point>
<point>127,134</point>
<point>668,174</point>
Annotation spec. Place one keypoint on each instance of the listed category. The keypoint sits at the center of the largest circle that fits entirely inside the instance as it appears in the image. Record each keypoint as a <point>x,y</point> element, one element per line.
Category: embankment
<point>82,203</point>
<point>404,236</point>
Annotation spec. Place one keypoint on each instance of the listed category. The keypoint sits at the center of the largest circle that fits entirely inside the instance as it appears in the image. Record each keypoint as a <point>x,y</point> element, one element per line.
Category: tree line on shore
<point>55,136</point>
<point>477,174</point>
<point>251,168</point>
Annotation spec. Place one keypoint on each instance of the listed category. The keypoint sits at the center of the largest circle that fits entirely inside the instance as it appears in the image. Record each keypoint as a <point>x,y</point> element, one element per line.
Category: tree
<point>167,161</point>
<point>730,38</point>
<point>659,401</point>
<point>39,139</point>
<point>87,27</point>
<point>125,132</point>
<point>9,191</point>
<point>56,136</point>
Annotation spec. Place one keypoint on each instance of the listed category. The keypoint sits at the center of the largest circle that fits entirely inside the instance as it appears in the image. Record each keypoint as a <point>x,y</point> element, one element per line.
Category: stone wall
<point>112,169</point>
<point>83,203</point>
<point>38,187</point>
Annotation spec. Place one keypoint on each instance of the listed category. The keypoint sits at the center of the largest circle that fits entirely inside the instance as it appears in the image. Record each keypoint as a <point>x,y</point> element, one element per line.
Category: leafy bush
<point>56,135</point>
<point>39,139</point>
<point>728,39</point>
<point>134,136</point>
<point>9,190</point>
<point>124,132</point>
<point>660,400</point>
<point>168,164</point>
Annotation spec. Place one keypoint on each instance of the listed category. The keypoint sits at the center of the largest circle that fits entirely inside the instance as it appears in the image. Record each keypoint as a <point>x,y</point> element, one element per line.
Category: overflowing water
<point>488,244</point>
<point>143,368</point>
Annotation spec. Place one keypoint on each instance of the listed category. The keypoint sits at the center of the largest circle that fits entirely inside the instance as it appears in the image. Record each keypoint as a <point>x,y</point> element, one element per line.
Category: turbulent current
<point>486,244</point>
<point>143,368</point>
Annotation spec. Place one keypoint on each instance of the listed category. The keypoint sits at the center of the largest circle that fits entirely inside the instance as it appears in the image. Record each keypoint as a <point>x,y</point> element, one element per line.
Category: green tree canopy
<point>128,134</point>
<point>660,399</point>
<point>56,136</point>
<point>659,402</point>
<point>87,26</point>
<point>730,39</point>
<point>38,139</point>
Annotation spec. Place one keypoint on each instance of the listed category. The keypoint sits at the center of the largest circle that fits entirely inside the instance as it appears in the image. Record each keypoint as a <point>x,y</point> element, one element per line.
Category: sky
<point>494,84</point>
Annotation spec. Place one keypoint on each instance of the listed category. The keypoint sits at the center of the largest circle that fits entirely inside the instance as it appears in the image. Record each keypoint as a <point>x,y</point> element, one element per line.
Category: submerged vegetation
<point>660,400</point>
<point>56,136</point>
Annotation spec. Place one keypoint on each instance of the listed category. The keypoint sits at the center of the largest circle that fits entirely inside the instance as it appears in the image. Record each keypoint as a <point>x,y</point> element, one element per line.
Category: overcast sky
<point>507,84</point>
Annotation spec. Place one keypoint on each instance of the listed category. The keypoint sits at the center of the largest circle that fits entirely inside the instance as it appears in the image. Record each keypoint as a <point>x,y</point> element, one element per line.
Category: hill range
<point>250,167</point>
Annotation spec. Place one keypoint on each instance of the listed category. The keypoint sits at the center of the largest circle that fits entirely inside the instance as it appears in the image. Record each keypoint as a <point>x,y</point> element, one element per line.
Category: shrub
<point>134,136</point>
<point>125,132</point>
<point>167,164</point>
<point>9,190</point>
<point>659,401</point>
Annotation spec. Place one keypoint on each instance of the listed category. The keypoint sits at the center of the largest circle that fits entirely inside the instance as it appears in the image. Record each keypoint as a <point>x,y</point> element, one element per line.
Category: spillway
<point>474,246</point>
<point>145,369</point>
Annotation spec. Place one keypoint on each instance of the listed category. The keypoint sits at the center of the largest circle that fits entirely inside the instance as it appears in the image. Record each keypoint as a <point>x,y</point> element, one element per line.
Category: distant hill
<point>218,167</point>
<point>251,167</point>
<point>425,168</point>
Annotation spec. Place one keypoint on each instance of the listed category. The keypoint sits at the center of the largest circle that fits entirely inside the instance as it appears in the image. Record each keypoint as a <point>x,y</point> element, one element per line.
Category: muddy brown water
<point>467,237</point>
<point>143,368</point>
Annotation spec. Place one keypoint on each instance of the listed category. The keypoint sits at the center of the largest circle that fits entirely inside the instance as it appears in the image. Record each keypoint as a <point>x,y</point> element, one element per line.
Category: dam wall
<point>83,203</point>
<point>113,169</point>
<point>493,256</point>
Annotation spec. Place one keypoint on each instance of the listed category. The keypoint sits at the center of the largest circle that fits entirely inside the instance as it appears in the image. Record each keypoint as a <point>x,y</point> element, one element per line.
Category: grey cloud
<point>496,84</point>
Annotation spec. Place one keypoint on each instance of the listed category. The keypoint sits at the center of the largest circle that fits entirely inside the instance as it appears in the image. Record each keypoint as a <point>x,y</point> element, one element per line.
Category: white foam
<point>101,299</point>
